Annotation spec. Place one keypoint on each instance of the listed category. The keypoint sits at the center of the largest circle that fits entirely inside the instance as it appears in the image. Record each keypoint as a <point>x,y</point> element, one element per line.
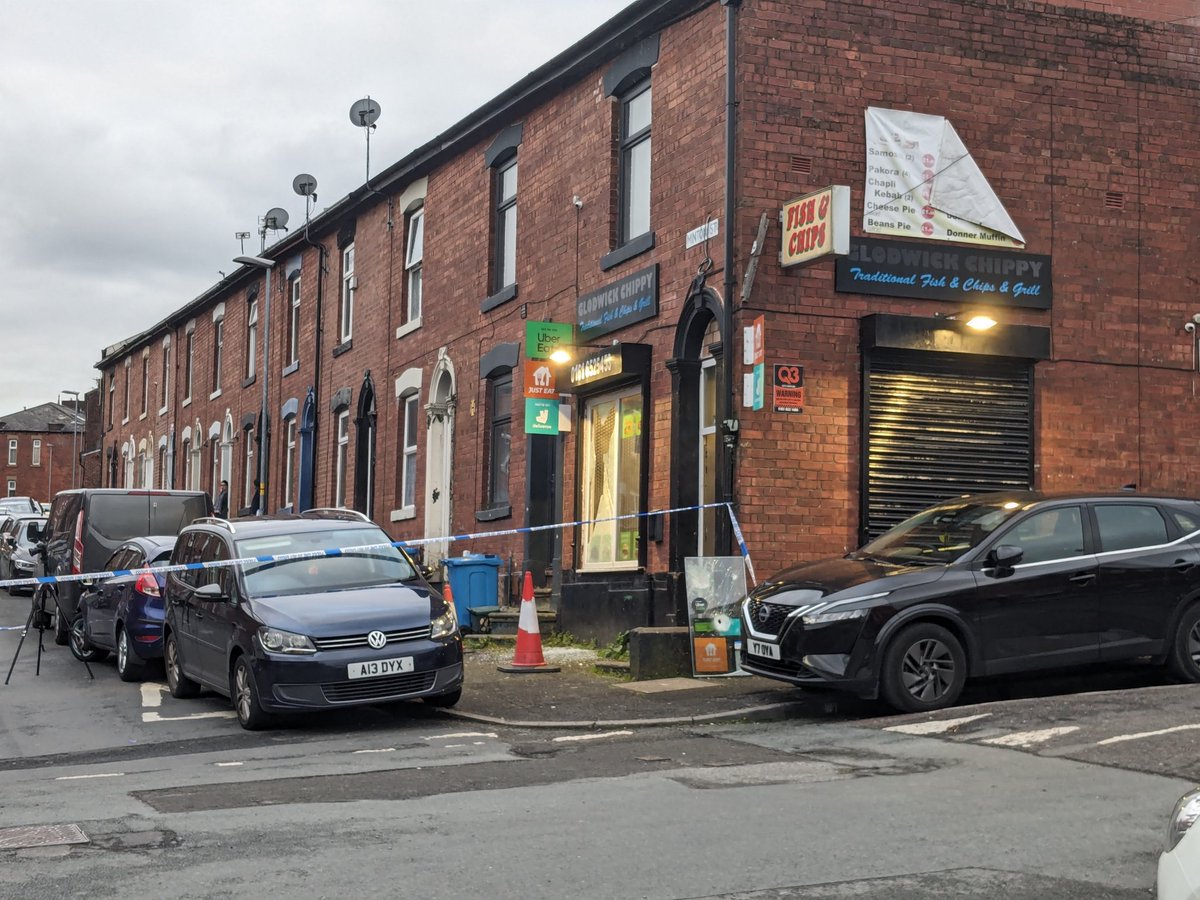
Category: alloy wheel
<point>245,696</point>
<point>122,651</point>
<point>1193,644</point>
<point>172,664</point>
<point>928,669</point>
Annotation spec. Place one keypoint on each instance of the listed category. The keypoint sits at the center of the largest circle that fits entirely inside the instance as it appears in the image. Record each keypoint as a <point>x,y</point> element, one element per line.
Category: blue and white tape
<point>340,551</point>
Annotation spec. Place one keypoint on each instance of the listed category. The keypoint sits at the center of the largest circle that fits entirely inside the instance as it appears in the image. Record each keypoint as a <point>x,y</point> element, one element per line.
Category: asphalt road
<point>1031,789</point>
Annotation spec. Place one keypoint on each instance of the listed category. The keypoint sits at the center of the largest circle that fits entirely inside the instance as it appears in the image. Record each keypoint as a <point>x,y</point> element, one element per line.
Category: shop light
<point>980,322</point>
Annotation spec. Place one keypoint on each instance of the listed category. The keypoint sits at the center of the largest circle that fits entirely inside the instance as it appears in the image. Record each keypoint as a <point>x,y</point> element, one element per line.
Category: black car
<point>124,614</point>
<point>280,635</point>
<point>986,585</point>
<point>85,526</point>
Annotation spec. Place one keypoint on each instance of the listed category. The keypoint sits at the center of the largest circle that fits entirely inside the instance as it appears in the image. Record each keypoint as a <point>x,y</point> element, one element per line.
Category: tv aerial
<point>363,114</point>
<point>306,187</point>
<point>276,219</point>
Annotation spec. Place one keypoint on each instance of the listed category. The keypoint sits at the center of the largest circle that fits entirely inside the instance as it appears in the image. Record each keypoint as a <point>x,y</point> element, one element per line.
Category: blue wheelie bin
<point>473,580</point>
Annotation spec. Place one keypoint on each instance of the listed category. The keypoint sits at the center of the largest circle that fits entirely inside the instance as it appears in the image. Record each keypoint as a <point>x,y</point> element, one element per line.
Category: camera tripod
<point>40,620</point>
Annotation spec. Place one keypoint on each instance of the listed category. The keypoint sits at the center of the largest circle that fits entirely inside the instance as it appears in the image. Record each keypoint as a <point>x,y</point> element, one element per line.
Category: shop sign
<point>541,416</point>
<point>954,274</point>
<point>815,225</point>
<point>789,388</point>
<point>628,300</point>
<point>539,380</point>
<point>543,338</point>
<point>598,366</point>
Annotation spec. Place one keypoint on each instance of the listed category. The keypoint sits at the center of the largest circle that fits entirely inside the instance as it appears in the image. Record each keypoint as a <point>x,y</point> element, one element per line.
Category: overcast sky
<point>138,136</point>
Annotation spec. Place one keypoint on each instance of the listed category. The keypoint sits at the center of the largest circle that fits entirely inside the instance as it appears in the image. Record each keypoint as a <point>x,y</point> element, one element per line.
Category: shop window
<point>610,479</point>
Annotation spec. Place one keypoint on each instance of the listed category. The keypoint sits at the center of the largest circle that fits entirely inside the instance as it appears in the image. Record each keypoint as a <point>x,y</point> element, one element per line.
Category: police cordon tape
<point>403,545</point>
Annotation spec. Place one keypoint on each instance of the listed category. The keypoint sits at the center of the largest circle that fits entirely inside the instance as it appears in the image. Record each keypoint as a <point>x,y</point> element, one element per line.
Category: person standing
<point>222,505</point>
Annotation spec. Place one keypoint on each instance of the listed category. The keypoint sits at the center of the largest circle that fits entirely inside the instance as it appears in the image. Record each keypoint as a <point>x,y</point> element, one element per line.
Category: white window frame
<point>128,363</point>
<point>12,487</point>
<point>145,382</point>
<point>408,453</point>
<point>36,458</point>
<point>112,398</point>
<point>506,234</point>
<point>289,460</point>
<point>343,453</point>
<point>706,522</point>
<point>12,451</point>
<point>294,323</point>
<point>252,338</point>
<point>218,353</point>
<point>349,287</point>
<point>166,374</point>
<point>189,369</point>
<point>251,472</point>
<point>629,144</point>
<point>414,257</point>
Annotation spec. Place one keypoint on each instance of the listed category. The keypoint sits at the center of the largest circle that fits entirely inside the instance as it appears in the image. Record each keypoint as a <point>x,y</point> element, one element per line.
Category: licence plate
<point>762,648</point>
<point>377,667</point>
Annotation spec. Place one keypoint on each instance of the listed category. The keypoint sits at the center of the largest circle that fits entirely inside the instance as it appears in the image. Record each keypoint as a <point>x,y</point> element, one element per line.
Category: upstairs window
<point>252,339</point>
<point>112,396</point>
<point>164,379</point>
<point>12,451</point>
<point>635,162</point>
<point>218,348</point>
<point>37,452</point>
<point>293,346</point>
<point>145,383</point>
<point>188,365</point>
<point>349,286</point>
<point>127,378</point>
<point>414,254</point>
<point>506,225</point>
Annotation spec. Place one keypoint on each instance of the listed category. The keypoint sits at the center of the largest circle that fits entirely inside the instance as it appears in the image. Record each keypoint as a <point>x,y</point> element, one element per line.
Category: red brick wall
<point>51,475</point>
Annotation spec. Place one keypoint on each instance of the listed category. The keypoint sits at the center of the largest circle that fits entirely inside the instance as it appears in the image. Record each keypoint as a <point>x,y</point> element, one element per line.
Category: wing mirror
<point>211,592</point>
<point>1004,557</point>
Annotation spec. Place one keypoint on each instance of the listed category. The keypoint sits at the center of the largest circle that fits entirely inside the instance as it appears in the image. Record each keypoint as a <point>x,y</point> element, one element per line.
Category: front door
<point>1045,612</point>
<point>439,443</point>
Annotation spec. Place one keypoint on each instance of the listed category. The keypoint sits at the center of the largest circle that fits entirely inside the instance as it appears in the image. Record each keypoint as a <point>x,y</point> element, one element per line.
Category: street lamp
<point>264,434</point>
<point>74,434</point>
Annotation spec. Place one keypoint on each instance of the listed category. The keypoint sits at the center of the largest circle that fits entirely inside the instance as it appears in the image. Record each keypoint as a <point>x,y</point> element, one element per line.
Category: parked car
<point>986,585</point>
<point>86,526</point>
<point>357,628</point>
<point>18,559</point>
<point>1179,863</point>
<point>13,505</point>
<point>124,614</point>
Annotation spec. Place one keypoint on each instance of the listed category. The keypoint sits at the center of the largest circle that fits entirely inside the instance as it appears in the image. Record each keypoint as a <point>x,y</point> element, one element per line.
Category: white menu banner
<point>922,182</point>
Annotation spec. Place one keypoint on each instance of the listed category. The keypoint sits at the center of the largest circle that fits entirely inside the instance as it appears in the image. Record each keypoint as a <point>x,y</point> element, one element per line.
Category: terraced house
<point>768,224</point>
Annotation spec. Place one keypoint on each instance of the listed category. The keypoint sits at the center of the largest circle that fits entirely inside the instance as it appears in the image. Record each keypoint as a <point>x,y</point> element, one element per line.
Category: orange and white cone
<point>527,657</point>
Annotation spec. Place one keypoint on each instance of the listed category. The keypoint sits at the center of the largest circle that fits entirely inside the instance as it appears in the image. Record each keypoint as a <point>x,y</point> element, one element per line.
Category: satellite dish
<point>276,219</point>
<point>304,185</point>
<point>364,112</point>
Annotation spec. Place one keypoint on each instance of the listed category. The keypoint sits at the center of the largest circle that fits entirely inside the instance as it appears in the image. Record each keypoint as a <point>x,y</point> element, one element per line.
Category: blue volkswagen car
<point>124,614</point>
<point>359,626</point>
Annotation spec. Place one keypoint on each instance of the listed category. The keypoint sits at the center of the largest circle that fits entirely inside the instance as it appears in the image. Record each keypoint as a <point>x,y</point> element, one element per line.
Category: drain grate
<point>41,836</point>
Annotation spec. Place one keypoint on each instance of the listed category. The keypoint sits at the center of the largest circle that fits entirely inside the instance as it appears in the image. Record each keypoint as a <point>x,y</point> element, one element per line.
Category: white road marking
<point>590,737</point>
<point>1029,738</point>
<point>230,764</point>
<point>220,714</point>
<point>381,750</point>
<point>937,727</point>
<point>452,746</point>
<point>459,734</point>
<point>1121,738</point>
<point>152,694</point>
<point>81,777</point>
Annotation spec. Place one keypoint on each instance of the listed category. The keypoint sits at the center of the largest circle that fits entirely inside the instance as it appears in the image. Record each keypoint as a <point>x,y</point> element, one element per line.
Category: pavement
<point>581,696</point>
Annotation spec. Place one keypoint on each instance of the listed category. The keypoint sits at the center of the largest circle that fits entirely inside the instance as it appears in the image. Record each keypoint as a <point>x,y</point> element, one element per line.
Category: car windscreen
<point>17,505</point>
<point>382,564</point>
<point>940,535</point>
<point>113,518</point>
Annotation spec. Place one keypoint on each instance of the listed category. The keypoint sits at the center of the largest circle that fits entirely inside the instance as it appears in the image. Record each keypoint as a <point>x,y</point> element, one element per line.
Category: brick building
<point>398,317</point>
<point>39,444</point>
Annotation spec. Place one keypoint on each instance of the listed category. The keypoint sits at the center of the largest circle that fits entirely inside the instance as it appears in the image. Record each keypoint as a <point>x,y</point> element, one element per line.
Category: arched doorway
<point>439,458</point>
<point>364,449</point>
<point>696,381</point>
<point>308,419</point>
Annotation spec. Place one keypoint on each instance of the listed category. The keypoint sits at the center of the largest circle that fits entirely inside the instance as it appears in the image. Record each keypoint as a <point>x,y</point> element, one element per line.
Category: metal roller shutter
<point>940,425</point>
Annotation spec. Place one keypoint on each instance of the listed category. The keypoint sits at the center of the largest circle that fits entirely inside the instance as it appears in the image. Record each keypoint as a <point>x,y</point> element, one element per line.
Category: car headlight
<point>1186,812</point>
<point>838,615</point>
<point>277,641</point>
<point>445,624</point>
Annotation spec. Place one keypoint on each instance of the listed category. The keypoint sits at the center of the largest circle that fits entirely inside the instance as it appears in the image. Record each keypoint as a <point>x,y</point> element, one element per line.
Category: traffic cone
<point>527,657</point>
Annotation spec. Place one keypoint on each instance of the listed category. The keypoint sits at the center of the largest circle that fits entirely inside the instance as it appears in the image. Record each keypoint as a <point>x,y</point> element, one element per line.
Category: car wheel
<point>444,701</point>
<point>81,649</point>
<point>177,683</point>
<point>49,599</point>
<point>924,668</point>
<point>243,689</point>
<point>129,667</point>
<point>1184,660</point>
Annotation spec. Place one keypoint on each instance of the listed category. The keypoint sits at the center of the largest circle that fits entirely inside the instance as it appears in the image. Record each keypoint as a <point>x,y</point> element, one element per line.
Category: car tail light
<point>147,584</point>
<point>77,549</point>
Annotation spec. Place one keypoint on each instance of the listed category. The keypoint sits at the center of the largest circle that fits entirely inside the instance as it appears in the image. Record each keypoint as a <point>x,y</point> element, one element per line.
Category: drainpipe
<point>316,385</point>
<point>729,424</point>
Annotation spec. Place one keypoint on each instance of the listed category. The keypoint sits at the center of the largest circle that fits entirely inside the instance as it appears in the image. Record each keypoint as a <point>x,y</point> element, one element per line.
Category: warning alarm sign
<point>789,388</point>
